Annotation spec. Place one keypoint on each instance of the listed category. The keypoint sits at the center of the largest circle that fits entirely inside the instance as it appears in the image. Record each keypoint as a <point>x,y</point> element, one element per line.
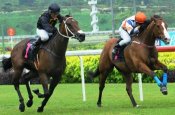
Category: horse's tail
<point>6,63</point>
<point>94,74</point>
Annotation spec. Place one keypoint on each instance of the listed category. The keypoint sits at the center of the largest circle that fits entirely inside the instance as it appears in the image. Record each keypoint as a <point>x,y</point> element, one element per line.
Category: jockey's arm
<point>135,30</point>
<point>127,27</point>
<point>60,18</point>
<point>46,25</point>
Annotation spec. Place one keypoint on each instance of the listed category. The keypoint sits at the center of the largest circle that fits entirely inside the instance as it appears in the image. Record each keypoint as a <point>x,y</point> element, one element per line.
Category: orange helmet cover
<point>140,17</point>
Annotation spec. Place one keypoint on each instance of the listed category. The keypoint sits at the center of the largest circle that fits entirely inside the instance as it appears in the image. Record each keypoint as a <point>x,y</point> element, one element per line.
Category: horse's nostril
<point>82,35</point>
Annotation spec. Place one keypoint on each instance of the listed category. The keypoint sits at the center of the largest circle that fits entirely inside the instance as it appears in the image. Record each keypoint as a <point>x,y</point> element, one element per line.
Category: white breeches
<point>125,37</point>
<point>43,34</point>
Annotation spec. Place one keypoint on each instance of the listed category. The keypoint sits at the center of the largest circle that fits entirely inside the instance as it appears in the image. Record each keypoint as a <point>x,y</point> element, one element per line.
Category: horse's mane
<point>156,17</point>
<point>144,25</point>
<point>56,34</point>
<point>147,22</point>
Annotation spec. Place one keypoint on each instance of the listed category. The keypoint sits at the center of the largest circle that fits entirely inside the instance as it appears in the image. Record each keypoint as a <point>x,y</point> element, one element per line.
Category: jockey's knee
<point>124,42</point>
<point>44,38</point>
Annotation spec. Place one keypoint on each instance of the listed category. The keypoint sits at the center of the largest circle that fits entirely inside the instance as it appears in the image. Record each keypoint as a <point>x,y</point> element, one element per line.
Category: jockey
<point>46,24</point>
<point>130,26</point>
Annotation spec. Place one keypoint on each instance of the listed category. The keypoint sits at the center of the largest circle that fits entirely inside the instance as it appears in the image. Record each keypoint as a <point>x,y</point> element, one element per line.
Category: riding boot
<point>115,50</point>
<point>36,45</point>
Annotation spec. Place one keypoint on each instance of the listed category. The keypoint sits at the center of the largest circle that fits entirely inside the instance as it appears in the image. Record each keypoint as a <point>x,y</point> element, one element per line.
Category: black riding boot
<point>115,50</point>
<point>36,45</point>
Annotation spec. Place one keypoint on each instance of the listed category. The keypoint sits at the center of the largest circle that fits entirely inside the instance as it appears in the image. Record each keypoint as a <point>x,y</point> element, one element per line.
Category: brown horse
<point>50,62</point>
<point>140,56</point>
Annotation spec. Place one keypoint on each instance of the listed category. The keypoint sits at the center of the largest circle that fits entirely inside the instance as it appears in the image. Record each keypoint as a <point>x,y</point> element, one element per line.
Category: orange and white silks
<point>128,26</point>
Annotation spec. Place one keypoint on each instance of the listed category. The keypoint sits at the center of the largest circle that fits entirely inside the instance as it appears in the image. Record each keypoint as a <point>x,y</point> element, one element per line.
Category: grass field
<point>67,100</point>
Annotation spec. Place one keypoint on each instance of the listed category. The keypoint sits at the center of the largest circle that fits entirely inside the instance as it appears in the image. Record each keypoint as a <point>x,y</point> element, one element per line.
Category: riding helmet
<point>54,8</point>
<point>140,17</point>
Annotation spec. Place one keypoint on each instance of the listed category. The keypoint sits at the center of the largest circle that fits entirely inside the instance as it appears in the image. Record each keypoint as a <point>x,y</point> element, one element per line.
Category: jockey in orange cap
<point>129,27</point>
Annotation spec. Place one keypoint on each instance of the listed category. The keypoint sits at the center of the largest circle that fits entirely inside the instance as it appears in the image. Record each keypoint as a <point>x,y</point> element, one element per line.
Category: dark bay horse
<point>140,56</point>
<point>50,62</point>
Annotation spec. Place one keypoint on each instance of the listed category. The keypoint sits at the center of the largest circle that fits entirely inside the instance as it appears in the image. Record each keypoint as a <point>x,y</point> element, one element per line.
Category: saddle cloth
<point>28,50</point>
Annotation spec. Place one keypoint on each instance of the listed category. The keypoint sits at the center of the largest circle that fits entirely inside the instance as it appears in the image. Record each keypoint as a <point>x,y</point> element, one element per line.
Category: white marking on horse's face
<point>80,31</point>
<point>165,31</point>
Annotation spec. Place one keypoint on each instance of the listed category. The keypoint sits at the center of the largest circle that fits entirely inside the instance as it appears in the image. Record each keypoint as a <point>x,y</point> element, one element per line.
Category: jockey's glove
<point>136,30</point>
<point>50,34</point>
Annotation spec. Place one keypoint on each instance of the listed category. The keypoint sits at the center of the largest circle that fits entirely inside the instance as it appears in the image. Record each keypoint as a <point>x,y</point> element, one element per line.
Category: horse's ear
<point>156,17</point>
<point>69,13</point>
<point>153,19</point>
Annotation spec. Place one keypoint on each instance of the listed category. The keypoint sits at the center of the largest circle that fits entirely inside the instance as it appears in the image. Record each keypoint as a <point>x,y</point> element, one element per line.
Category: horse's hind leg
<point>129,81</point>
<point>27,77</point>
<point>15,81</point>
<point>102,79</point>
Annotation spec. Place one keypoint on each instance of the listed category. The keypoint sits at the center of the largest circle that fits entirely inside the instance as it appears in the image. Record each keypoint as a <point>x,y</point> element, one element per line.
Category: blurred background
<point>18,20</point>
<point>21,15</point>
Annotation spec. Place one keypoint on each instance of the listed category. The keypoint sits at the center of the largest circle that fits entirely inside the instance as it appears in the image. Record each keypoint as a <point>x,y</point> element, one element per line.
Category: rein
<point>65,36</point>
<point>67,29</point>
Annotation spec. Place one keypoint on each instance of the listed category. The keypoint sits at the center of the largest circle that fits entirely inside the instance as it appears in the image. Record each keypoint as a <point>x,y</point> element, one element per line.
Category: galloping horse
<point>140,56</point>
<point>50,62</point>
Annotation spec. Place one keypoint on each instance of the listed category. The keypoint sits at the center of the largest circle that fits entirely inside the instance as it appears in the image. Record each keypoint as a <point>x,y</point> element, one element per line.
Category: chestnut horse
<point>140,56</point>
<point>50,62</point>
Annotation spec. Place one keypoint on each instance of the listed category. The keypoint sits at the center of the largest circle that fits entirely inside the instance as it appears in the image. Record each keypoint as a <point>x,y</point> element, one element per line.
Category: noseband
<point>67,29</point>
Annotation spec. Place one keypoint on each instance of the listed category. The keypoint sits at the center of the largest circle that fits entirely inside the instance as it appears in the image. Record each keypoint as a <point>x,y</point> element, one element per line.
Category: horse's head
<point>160,29</point>
<point>69,28</point>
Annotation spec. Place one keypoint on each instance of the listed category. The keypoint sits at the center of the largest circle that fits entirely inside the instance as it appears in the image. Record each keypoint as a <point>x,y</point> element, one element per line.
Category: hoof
<point>40,109</point>
<point>22,107</point>
<point>137,106</point>
<point>99,105</point>
<point>29,103</point>
<point>164,90</point>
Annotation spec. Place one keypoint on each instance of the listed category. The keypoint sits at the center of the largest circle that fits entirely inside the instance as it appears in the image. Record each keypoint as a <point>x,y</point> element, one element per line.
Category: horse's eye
<point>159,26</point>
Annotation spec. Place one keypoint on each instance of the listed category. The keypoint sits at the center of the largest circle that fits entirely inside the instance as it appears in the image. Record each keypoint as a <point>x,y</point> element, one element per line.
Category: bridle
<point>67,29</point>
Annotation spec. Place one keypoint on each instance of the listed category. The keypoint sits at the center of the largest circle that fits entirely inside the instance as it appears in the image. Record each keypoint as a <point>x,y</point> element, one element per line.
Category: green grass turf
<point>67,100</point>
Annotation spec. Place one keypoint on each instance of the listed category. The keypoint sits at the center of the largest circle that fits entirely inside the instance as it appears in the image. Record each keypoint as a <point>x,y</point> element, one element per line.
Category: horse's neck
<point>147,37</point>
<point>59,44</point>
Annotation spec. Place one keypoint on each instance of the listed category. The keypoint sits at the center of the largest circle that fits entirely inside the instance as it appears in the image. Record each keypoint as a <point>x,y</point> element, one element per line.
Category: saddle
<point>30,49</point>
<point>28,52</point>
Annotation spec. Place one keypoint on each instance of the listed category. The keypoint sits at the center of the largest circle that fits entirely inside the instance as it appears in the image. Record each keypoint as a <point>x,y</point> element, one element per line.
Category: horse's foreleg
<point>44,82</point>
<point>53,84</point>
<point>129,81</point>
<point>161,66</point>
<point>15,81</point>
<point>145,69</point>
